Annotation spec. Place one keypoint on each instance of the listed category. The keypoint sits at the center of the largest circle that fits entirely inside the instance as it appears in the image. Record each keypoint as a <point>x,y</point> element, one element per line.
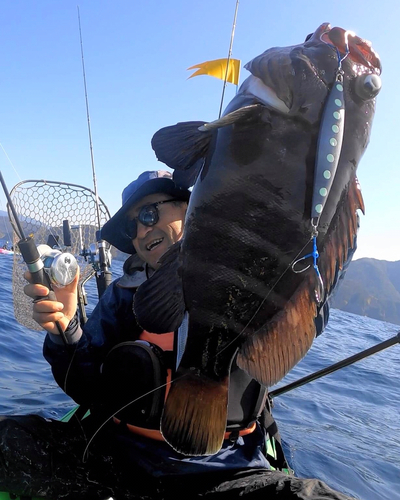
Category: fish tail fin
<point>195,413</point>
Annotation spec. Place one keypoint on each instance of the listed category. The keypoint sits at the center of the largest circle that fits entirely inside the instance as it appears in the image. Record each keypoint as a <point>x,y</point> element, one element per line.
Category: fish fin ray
<point>239,115</point>
<point>339,245</point>
<point>269,354</point>
<point>181,146</point>
<point>195,414</point>
<point>155,310</point>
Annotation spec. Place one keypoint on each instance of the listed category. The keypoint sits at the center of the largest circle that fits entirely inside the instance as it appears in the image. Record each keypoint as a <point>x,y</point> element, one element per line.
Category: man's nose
<point>142,230</point>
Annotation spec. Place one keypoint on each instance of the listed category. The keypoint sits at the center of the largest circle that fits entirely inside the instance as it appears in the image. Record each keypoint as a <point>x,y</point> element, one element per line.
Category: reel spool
<point>62,267</point>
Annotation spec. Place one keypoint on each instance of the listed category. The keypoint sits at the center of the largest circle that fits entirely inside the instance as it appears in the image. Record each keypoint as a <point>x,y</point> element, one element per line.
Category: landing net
<point>42,207</point>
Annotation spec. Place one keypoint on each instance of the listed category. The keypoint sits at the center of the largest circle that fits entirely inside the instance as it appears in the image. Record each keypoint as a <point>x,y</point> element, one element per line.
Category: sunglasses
<point>148,216</point>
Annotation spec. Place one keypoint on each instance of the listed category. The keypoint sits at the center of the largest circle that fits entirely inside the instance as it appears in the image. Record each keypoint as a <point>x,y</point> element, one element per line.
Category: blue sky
<point>136,57</point>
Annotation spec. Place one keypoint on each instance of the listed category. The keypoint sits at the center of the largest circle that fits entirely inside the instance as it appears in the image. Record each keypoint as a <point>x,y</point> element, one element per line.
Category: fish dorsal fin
<point>155,310</point>
<point>180,146</point>
<point>184,146</point>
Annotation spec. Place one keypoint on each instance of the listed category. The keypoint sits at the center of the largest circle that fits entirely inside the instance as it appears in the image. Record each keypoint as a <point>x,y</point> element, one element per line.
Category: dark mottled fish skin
<point>248,220</point>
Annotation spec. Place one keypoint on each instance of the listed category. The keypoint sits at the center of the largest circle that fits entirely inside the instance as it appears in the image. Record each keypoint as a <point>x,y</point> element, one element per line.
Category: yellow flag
<point>217,68</point>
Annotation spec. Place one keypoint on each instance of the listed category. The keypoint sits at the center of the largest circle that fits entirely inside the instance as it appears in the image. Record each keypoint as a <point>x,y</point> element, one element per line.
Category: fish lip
<point>348,44</point>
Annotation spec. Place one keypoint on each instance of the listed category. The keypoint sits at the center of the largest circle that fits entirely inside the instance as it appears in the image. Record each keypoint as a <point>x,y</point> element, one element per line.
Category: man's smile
<point>154,243</point>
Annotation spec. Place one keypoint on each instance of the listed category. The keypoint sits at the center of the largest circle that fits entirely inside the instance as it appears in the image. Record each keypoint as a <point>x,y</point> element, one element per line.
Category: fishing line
<point>5,225</point>
<point>89,128</point>
<point>228,59</point>
<point>69,367</point>
<point>347,50</point>
<point>123,408</point>
<point>11,163</point>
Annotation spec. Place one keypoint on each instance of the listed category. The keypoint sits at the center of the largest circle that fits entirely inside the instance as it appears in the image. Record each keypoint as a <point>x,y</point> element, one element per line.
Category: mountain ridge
<point>370,288</point>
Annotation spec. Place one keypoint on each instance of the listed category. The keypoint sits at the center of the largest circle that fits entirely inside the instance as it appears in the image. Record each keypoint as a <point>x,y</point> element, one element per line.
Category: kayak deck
<point>10,496</point>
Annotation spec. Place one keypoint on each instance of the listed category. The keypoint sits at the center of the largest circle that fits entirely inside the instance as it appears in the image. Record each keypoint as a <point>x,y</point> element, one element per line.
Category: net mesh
<point>41,207</point>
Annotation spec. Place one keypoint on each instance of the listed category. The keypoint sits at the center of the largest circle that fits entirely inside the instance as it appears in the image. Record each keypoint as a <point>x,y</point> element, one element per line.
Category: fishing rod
<point>104,275</point>
<point>337,366</point>
<point>33,259</point>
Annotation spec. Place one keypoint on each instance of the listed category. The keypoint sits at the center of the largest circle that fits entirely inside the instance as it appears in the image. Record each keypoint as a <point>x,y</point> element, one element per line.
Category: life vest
<point>137,376</point>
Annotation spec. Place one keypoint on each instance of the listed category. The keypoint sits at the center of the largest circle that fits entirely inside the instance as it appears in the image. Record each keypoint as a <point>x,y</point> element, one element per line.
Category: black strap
<point>261,402</point>
<point>268,422</point>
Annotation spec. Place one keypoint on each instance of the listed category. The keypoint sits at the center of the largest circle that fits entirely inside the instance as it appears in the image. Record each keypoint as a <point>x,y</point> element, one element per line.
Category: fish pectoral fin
<point>180,146</point>
<point>158,304</point>
<point>194,418</point>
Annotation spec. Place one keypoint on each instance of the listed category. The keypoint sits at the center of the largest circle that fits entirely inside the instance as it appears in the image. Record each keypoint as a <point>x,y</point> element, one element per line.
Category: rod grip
<point>35,265</point>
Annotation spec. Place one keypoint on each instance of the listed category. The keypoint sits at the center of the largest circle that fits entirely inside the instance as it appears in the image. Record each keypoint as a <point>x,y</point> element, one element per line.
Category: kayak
<point>3,251</point>
<point>271,450</point>
<point>10,496</point>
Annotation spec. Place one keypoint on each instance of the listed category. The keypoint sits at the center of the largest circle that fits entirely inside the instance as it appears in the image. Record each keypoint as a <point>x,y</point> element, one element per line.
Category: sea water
<point>343,428</point>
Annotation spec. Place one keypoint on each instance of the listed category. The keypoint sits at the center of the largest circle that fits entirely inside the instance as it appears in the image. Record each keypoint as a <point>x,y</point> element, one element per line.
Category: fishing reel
<point>98,255</point>
<point>61,267</point>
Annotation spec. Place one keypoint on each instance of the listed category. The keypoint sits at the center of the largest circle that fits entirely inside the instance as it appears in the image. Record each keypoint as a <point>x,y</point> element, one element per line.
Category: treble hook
<point>314,254</point>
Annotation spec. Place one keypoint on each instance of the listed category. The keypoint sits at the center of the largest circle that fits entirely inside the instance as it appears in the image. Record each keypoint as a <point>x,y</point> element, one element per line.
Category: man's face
<point>152,242</point>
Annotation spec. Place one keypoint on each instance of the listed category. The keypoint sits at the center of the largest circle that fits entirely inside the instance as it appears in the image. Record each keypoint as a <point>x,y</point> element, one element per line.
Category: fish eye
<point>308,37</point>
<point>367,86</point>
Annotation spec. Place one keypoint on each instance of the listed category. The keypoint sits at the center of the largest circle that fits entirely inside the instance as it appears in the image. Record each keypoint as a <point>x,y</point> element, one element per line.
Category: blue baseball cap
<point>150,182</point>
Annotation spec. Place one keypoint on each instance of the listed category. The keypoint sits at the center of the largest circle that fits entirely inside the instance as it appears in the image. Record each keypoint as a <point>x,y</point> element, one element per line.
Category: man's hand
<point>47,312</point>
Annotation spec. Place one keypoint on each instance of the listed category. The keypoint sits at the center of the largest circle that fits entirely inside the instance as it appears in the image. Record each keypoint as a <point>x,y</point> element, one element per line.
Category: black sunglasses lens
<point>148,216</point>
<point>131,228</point>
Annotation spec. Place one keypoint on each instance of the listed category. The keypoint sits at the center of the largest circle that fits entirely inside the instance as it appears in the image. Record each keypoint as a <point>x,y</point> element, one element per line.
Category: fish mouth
<point>295,80</point>
<point>350,45</point>
<point>154,244</point>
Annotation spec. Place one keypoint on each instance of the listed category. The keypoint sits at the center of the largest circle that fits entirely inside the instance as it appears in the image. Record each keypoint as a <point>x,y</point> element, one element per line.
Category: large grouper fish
<point>271,221</point>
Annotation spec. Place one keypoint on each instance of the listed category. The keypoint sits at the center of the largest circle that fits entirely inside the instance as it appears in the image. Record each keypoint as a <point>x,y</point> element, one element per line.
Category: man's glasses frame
<point>148,216</point>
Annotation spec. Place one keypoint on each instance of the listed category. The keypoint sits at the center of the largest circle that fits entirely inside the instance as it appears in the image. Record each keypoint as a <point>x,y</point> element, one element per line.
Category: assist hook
<point>319,292</point>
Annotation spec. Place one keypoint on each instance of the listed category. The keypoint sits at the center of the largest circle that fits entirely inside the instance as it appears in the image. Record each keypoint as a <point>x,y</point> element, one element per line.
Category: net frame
<point>41,207</point>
